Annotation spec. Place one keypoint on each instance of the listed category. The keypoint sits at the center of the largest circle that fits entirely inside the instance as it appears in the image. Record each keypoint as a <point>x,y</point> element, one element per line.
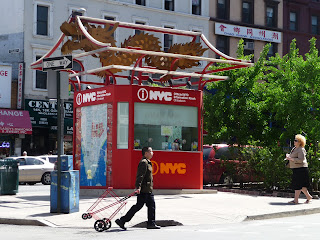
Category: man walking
<point>144,187</point>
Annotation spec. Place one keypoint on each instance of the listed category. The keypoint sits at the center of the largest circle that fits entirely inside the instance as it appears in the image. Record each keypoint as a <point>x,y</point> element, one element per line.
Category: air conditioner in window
<point>249,46</point>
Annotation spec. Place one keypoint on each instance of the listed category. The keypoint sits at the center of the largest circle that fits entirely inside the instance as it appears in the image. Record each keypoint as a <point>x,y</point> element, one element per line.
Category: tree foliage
<point>268,104</point>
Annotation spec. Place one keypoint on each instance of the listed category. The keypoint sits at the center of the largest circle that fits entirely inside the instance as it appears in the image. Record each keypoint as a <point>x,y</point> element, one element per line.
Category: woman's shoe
<point>308,201</point>
<point>293,202</point>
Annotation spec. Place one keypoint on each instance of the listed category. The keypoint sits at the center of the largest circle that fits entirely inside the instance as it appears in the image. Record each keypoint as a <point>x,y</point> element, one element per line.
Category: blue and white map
<point>94,132</point>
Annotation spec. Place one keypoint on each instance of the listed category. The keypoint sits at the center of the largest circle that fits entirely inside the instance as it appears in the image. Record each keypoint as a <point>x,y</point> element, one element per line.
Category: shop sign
<point>42,108</point>
<point>44,114</point>
<point>247,32</point>
<point>4,144</point>
<point>20,79</point>
<point>5,83</point>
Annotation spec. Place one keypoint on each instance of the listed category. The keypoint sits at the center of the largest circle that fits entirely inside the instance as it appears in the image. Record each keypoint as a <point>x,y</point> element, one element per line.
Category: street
<point>302,227</point>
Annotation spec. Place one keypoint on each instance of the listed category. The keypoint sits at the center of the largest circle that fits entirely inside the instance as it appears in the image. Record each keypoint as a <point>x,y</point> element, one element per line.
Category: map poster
<point>92,123</point>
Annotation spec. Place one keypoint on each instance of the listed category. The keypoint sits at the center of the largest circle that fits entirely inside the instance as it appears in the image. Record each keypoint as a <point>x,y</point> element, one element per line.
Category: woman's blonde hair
<point>301,139</point>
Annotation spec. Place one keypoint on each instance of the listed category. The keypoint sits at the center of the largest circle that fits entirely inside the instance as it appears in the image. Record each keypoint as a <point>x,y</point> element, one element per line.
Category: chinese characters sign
<point>247,32</point>
<point>20,79</point>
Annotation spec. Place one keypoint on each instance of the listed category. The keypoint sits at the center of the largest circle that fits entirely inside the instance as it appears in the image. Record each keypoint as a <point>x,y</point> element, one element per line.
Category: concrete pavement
<point>186,207</point>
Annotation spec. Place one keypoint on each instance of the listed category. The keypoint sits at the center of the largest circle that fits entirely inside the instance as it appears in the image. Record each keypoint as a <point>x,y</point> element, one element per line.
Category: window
<point>141,2</point>
<point>123,125</point>
<point>272,50</point>
<point>111,27</point>
<point>314,25</point>
<point>76,13</point>
<point>223,44</point>
<point>247,12</point>
<point>165,127</point>
<point>169,5</point>
<point>77,68</point>
<point>248,47</point>
<point>293,21</point>
<point>42,20</point>
<point>167,41</point>
<point>271,16</point>
<point>41,79</point>
<point>196,7</point>
<point>137,31</point>
<point>223,9</point>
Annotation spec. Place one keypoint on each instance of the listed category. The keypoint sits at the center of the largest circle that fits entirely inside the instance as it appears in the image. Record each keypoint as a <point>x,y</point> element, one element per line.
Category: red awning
<point>15,122</point>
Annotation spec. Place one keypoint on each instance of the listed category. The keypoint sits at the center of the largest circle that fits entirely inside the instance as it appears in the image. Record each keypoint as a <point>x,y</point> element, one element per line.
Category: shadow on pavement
<point>280,204</point>
<point>36,198</point>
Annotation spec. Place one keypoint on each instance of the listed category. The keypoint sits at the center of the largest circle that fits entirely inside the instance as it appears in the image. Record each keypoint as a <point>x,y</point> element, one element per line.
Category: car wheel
<point>46,178</point>
<point>226,179</point>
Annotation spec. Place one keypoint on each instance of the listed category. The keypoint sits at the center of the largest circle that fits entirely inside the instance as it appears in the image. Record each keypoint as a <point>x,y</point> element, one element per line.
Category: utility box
<point>69,192</point>
<point>66,162</point>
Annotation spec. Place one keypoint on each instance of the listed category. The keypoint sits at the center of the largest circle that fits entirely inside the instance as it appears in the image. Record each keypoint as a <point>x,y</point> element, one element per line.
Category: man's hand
<point>137,190</point>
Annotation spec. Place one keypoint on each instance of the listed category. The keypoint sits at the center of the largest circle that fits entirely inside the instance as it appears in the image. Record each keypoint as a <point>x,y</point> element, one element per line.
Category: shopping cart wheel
<point>84,216</point>
<point>100,225</point>
<point>108,223</point>
<point>89,216</point>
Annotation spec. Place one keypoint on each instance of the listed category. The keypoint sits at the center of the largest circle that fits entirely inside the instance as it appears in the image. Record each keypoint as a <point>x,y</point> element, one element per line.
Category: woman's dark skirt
<point>300,178</point>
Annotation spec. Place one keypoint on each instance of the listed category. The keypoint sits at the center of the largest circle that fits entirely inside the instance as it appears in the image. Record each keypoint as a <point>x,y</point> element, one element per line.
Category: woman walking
<point>299,165</point>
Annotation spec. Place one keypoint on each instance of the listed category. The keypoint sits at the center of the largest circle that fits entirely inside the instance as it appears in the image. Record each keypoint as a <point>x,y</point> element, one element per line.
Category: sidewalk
<point>187,209</point>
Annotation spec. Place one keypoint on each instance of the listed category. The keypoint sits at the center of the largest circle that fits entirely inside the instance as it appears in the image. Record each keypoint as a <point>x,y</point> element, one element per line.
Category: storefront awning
<point>15,122</point>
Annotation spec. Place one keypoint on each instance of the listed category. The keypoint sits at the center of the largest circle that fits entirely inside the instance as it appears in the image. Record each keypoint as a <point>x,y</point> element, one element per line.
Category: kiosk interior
<point>112,122</point>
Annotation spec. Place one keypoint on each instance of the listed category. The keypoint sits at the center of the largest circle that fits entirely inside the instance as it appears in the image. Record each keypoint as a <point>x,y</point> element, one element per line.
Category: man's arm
<point>141,172</point>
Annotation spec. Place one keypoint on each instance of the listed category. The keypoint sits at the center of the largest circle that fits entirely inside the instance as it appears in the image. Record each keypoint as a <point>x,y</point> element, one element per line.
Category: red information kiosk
<point>113,122</point>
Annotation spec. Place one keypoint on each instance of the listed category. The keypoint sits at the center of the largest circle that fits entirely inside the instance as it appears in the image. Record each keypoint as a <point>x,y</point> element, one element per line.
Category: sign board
<point>44,114</point>
<point>52,84</point>
<point>5,83</point>
<point>57,63</point>
<point>15,122</point>
<point>247,32</point>
<point>20,82</point>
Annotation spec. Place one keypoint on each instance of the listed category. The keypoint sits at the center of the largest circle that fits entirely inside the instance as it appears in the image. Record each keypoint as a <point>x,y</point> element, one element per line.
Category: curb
<point>126,192</point>
<point>283,214</point>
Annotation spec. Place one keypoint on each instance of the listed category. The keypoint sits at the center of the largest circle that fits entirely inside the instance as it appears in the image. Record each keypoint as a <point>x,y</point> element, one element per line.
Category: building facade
<point>36,28</point>
<point>301,21</point>
<point>258,22</point>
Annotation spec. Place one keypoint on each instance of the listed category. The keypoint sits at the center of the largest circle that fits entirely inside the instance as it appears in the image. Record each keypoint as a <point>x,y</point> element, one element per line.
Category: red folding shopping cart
<point>105,208</point>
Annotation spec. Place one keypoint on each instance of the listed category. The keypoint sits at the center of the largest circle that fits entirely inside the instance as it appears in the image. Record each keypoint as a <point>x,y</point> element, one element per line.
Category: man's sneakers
<point>153,227</point>
<point>120,224</point>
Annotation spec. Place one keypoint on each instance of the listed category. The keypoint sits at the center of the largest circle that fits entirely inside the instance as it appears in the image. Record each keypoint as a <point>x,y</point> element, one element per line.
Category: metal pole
<point>60,119</point>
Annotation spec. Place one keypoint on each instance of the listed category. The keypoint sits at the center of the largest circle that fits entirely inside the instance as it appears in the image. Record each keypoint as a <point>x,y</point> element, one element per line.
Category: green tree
<point>292,98</point>
<point>231,114</point>
<point>267,105</point>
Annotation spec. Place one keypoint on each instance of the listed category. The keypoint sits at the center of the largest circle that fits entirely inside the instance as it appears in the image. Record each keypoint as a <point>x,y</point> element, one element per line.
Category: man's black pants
<point>142,198</point>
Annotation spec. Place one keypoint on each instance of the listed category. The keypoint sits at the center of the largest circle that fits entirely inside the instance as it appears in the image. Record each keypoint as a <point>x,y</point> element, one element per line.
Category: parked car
<point>52,159</point>
<point>221,164</point>
<point>34,169</point>
<point>49,158</point>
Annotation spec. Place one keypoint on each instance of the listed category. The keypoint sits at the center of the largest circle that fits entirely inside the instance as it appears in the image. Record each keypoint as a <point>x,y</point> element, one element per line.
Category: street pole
<point>60,129</point>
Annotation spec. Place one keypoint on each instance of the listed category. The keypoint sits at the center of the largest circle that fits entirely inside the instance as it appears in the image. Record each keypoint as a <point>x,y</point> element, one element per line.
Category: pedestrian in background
<point>144,188</point>
<point>24,153</point>
<point>300,172</point>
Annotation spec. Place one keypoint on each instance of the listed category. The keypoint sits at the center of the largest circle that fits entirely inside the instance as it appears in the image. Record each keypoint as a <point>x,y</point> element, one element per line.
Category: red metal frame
<point>125,160</point>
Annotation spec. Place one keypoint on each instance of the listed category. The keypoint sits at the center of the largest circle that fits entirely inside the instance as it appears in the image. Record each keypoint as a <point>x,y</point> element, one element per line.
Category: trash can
<point>9,176</point>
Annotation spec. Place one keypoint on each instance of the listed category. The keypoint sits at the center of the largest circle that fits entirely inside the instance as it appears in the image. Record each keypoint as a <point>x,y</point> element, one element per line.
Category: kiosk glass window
<point>123,125</point>
<point>165,127</point>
